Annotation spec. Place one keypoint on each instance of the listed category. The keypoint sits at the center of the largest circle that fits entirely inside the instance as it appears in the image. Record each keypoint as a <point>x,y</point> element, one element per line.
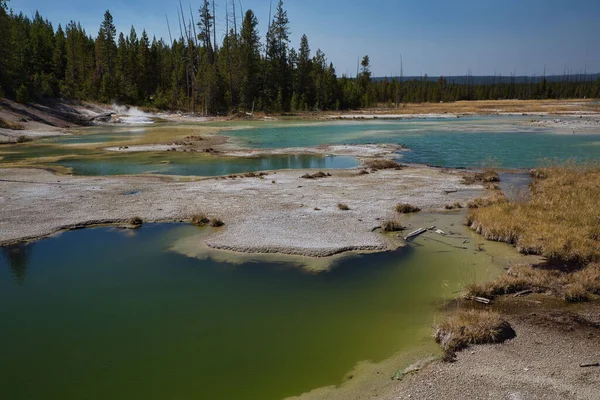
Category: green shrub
<point>22,94</point>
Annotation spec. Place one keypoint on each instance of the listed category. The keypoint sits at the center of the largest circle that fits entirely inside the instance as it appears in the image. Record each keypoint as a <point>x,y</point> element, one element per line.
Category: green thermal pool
<point>105,313</point>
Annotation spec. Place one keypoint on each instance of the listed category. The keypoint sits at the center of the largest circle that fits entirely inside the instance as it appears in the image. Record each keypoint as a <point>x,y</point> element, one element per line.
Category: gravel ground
<point>291,216</point>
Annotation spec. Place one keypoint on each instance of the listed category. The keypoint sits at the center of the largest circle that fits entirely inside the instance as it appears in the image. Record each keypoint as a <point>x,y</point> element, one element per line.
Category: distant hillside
<point>490,79</point>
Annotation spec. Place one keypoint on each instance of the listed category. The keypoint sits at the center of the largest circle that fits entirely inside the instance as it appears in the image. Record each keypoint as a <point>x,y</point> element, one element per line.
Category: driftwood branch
<point>481,300</point>
<point>415,233</point>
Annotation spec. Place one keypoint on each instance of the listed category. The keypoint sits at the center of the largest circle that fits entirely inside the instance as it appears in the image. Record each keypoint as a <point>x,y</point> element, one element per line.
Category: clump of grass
<point>487,176</point>
<point>14,126</point>
<point>136,221</point>
<point>456,205</point>
<point>482,202</point>
<point>343,206</point>
<point>580,285</point>
<point>316,175</point>
<point>382,163</point>
<point>561,220</point>
<point>254,174</point>
<point>216,222</point>
<point>589,278</point>
<point>200,219</point>
<point>576,293</point>
<point>467,327</point>
<point>392,225</point>
<point>363,172</point>
<point>405,208</point>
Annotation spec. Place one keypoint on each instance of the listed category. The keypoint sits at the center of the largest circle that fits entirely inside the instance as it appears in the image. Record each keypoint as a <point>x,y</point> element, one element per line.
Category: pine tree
<point>249,60</point>
<point>279,71</point>
<point>106,50</point>
<point>59,58</point>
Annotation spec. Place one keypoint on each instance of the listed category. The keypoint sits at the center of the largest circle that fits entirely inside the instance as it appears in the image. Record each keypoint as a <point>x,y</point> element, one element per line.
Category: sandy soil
<point>279,213</point>
<point>542,362</point>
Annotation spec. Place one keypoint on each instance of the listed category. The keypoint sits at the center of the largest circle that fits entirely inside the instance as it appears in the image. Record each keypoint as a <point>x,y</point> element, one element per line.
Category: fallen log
<point>415,233</point>
<point>590,365</point>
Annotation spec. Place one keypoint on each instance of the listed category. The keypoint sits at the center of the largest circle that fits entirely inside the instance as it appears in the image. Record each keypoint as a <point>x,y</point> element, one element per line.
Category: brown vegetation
<point>254,174</point>
<point>466,327</point>
<point>382,163</point>
<point>200,219</point>
<point>136,221</point>
<point>317,175</point>
<point>453,206</point>
<point>392,225</point>
<point>343,207</point>
<point>581,285</point>
<point>487,176</point>
<point>481,202</point>
<point>216,222</point>
<point>15,126</point>
<point>405,208</point>
<point>561,221</point>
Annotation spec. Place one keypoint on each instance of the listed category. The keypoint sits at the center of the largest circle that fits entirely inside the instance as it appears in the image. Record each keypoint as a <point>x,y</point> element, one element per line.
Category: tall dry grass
<point>561,221</point>
<point>571,286</point>
<point>467,327</point>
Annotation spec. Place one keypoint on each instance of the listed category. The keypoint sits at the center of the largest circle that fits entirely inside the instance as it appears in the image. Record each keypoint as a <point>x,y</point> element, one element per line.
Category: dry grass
<point>317,175</point>
<point>487,176</point>
<point>576,293</point>
<point>216,222</point>
<point>254,174</point>
<point>15,126</point>
<point>482,202</point>
<point>561,221</point>
<point>490,107</point>
<point>467,327</point>
<point>392,225</point>
<point>382,163</point>
<point>454,206</point>
<point>343,206</point>
<point>581,285</point>
<point>136,221</point>
<point>200,219</point>
<point>405,208</point>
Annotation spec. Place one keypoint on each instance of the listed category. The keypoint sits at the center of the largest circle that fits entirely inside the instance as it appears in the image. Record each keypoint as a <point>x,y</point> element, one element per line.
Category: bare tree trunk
<point>229,52</point>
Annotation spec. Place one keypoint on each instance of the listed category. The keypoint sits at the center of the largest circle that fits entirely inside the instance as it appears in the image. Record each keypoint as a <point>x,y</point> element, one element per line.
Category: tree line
<point>197,72</point>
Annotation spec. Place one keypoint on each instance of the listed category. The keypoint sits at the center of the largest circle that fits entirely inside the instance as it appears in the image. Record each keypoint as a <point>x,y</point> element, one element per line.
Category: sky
<point>433,37</point>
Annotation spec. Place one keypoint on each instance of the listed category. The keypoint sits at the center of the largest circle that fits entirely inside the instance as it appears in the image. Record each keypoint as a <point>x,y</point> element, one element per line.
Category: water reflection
<point>18,256</point>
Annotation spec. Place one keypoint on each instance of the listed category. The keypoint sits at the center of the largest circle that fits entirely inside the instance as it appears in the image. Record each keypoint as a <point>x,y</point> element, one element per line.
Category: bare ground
<point>279,212</point>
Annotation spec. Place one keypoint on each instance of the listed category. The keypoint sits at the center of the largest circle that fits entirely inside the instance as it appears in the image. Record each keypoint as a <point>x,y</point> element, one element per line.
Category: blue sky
<point>436,37</point>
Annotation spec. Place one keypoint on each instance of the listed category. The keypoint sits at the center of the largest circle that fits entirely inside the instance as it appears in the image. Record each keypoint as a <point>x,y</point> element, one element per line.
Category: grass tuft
<point>382,163</point>
<point>14,126</point>
<point>392,225</point>
<point>317,175</point>
<point>487,176</point>
<point>136,221</point>
<point>343,206</point>
<point>200,219</point>
<point>467,327</point>
<point>576,293</point>
<point>405,208</point>
<point>456,205</point>
<point>216,222</point>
